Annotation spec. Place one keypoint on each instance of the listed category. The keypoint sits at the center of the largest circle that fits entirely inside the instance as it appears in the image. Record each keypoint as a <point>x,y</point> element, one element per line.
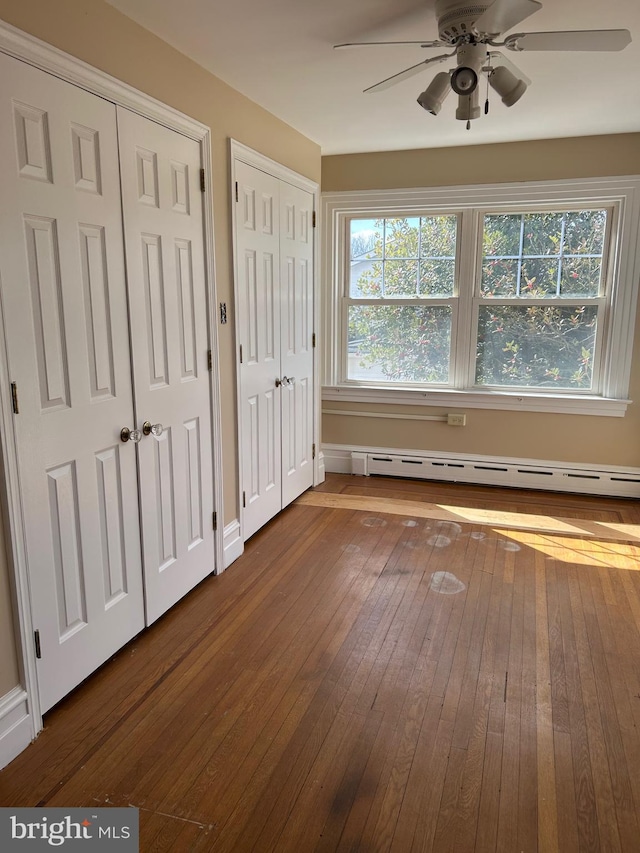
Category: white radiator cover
<point>484,470</point>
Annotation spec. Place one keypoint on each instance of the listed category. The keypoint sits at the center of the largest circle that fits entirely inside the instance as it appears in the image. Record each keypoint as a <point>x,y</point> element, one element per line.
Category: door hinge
<point>203,182</point>
<point>209,360</point>
<point>236,191</point>
<point>313,219</point>
<point>313,451</point>
<point>36,636</point>
<point>240,353</point>
<point>215,520</point>
<point>313,340</point>
<point>14,398</point>
<point>244,499</point>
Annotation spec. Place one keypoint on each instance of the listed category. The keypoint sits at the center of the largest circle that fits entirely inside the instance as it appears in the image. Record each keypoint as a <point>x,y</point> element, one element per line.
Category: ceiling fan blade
<point>350,44</point>
<point>498,58</point>
<point>571,40</point>
<point>408,72</point>
<point>502,15</point>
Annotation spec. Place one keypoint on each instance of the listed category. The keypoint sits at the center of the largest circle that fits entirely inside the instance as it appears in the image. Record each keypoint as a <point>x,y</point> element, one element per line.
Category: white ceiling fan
<point>472,30</point>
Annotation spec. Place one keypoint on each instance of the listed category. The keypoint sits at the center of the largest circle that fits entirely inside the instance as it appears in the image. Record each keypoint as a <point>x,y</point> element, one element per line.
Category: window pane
<point>580,277</point>
<point>400,278</point>
<point>401,343</point>
<point>501,234</point>
<point>584,232</point>
<point>401,237</point>
<point>539,277</point>
<point>536,346</point>
<point>438,236</point>
<point>437,277</point>
<point>366,239</point>
<point>542,234</point>
<point>500,277</point>
<point>366,279</point>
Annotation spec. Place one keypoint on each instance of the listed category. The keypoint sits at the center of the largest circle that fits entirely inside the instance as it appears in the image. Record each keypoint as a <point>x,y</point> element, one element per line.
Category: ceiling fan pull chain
<point>486,103</point>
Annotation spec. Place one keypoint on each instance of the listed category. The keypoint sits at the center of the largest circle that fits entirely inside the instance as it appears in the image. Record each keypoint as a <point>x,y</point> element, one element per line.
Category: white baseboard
<point>610,480</point>
<point>16,728</point>
<point>232,544</point>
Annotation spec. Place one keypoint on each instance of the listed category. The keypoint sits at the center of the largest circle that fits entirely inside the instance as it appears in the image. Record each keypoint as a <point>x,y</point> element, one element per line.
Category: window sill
<point>500,400</point>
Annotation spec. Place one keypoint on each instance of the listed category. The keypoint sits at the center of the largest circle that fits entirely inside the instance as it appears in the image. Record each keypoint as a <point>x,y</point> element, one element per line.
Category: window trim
<point>621,193</point>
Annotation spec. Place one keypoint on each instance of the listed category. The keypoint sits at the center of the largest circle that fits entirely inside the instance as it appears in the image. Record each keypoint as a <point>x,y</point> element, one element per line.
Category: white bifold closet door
<point>274,268</point>
<point>67,328</point>
<point>164,239</point>
<point>65,313</point>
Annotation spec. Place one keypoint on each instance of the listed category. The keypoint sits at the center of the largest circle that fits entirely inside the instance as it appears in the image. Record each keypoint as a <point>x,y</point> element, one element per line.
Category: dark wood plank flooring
<point>375,681</point>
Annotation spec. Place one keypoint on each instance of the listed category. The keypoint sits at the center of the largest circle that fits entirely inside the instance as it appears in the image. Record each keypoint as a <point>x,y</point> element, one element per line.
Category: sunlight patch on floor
<point>583,528</point>
<point>580,552</point>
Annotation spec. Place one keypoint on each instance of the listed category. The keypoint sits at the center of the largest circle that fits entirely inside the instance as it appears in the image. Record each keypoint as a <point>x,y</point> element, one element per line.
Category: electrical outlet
<point>457,419</point>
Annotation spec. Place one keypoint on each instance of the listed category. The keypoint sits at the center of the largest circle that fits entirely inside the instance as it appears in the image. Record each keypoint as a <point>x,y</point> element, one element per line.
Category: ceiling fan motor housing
<point>456,18</point>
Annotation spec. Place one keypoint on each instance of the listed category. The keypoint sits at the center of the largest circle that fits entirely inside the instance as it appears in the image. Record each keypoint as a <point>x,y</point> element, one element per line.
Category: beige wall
<point>542,160</point>
<point>563,438</point>
<point>97,33</point>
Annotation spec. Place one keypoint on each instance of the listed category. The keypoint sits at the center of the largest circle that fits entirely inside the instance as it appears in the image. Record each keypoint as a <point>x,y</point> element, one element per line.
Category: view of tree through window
<point>413,260</point>
<point>536,303</point>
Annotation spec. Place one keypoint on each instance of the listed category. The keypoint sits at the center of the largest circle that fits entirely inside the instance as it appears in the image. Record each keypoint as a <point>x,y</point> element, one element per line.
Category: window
<point>542,296</point>
<point>401,298</point>
<point>512,296</point>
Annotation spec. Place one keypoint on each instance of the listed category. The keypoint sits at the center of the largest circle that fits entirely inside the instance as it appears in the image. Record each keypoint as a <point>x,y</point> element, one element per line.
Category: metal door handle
<point>278,382</point>
<point>127,434</point>
<point>152,429</point>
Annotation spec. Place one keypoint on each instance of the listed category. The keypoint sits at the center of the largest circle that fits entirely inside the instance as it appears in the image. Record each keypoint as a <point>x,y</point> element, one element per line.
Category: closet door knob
<point>127,434</point>
<point>278,382</point>
<point>152,429</point>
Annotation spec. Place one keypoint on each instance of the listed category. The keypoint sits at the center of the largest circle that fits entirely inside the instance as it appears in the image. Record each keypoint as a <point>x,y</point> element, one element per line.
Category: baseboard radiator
<point>524,474</point>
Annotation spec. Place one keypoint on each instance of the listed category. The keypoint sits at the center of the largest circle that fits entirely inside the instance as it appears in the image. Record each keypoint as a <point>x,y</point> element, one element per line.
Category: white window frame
<point>616,321</point>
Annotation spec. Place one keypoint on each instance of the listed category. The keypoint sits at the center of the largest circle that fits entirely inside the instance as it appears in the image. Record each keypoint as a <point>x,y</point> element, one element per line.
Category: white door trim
<point>241,153</point>
<point>29,49</point>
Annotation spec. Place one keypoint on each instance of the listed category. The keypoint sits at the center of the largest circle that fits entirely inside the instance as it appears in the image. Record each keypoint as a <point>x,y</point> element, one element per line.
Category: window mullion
<point>561,257</point>
<point>520,252</point>
<point>463,338</point>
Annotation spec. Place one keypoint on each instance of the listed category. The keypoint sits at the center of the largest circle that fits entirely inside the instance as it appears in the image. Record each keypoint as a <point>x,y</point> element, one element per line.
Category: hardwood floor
<point>391,666</point>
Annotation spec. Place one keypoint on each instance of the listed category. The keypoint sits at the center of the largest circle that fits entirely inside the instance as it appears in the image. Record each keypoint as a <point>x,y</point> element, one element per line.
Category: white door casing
<point>163,218</point>
<point>65,312</point>
<point>274,280</point>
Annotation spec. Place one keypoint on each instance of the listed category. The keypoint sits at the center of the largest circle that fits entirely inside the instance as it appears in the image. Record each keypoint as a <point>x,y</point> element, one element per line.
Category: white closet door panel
<point>259,310</point>
<point>64,299</point>
<point>163,218</point>
<point>296,352</point>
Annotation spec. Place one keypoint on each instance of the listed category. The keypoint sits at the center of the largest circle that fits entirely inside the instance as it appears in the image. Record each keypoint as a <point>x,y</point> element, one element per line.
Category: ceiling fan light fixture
<point>435,93</point>
<point>464,80</point>
<point>468,106</point>
<point>507,85</point>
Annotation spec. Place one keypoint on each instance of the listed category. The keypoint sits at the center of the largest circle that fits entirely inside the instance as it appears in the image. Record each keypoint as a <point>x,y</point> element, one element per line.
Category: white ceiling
<point>279,53</point>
